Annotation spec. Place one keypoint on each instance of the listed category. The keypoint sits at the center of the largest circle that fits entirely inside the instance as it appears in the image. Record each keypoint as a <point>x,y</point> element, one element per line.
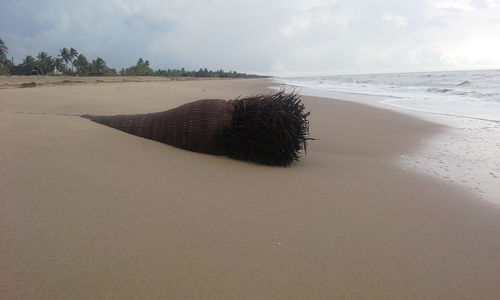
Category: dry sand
<point>89,212</point>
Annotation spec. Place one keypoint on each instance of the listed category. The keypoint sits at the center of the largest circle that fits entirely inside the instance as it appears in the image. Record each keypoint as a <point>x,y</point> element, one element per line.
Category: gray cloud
<point>313,36</point>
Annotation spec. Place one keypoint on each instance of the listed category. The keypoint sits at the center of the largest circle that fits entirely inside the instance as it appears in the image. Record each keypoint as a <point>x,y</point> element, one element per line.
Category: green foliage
<point>3,50</point>
<point>203,73</point>
<point>64,54</point>
<point>80,66</point>
<point>141,68</point>
<point>5,63</point>
<point>72,55</point>
<point>44,62</point>
<point>5,66</point>
<point>98,67</point>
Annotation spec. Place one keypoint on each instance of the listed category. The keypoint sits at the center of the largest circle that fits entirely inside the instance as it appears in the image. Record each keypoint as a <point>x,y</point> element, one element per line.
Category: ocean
<point>474,94</point>
<point>466,102</point>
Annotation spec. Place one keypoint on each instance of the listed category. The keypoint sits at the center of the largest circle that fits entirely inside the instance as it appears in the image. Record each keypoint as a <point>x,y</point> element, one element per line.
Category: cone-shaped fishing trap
<point>266,129</point>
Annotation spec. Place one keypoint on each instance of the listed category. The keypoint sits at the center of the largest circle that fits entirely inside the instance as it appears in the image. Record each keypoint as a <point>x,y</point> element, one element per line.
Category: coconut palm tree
<point>45,62</point>
<point>4,62</point>
<point>42,58</point>
<point>3,50</point>
<point>81,63</point>
<point>99,65</point>
<point>72,54</point>
<point>64,54</point>
<point>58,64</point>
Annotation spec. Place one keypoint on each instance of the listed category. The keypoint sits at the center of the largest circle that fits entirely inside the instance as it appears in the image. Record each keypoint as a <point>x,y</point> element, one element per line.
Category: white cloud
<point>297,25</point>
<point>465,5</point>
<point>282,35</point>
<point>397,20</point>
<point>493,3</point>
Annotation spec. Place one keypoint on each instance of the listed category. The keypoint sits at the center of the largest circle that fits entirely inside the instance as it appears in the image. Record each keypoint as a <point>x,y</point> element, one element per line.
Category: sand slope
<point>89,212</point>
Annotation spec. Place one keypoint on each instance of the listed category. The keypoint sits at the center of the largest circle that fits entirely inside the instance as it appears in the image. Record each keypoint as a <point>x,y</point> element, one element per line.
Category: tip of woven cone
<point>267,129</point>
<point>95,118</point>
<point>87,116</point>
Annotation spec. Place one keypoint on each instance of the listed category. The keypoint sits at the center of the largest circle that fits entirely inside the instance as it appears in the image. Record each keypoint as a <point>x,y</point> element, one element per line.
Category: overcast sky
<point>265,36</point>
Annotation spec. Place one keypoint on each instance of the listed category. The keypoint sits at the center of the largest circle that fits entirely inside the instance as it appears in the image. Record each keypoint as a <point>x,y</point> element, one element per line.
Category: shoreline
<point>463,153</point>
<point>92,212</point>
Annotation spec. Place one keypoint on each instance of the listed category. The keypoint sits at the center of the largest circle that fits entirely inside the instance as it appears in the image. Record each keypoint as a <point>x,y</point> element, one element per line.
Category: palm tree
<point>3,50</point>
<point>45,62</point>
<point>64,54</point>
<point>99,65</point>
<point>81,63</point>
<point>72,54</point>
<point>42,56</point>
<point>3,55</point>
<point>58,64</point>
<point>50,64</point>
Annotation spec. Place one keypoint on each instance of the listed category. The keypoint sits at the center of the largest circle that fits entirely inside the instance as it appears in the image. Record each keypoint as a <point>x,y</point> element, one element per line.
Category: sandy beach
<point>89,212</point>
<point>7,82</point>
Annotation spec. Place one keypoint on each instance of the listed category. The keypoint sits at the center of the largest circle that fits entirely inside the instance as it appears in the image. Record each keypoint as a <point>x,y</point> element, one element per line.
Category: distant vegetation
<point>72,63</point>
<point>4,62</point>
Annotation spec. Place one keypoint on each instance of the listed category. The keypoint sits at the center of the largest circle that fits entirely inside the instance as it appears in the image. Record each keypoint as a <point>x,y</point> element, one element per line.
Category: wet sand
<point>89,212</point>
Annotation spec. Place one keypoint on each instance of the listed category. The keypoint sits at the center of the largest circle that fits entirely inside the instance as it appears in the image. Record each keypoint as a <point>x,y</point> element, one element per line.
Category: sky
<point>273,37</point>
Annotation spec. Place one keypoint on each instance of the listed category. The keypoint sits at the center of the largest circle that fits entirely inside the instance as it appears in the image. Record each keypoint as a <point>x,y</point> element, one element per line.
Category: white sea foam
<point>468,102</point>
<point>474,94</point>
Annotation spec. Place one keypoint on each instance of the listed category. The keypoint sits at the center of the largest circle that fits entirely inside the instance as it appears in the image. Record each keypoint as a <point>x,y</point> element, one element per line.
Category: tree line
<point>72,63</point>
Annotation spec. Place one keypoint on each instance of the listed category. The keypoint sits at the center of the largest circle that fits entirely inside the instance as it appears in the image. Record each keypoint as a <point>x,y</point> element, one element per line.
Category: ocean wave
<point>438,90</point>
<point>476,93</point>
<point>464,83</point>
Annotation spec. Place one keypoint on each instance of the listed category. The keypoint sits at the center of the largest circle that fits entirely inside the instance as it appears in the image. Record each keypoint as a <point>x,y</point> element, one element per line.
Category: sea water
<point>468,102</point>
